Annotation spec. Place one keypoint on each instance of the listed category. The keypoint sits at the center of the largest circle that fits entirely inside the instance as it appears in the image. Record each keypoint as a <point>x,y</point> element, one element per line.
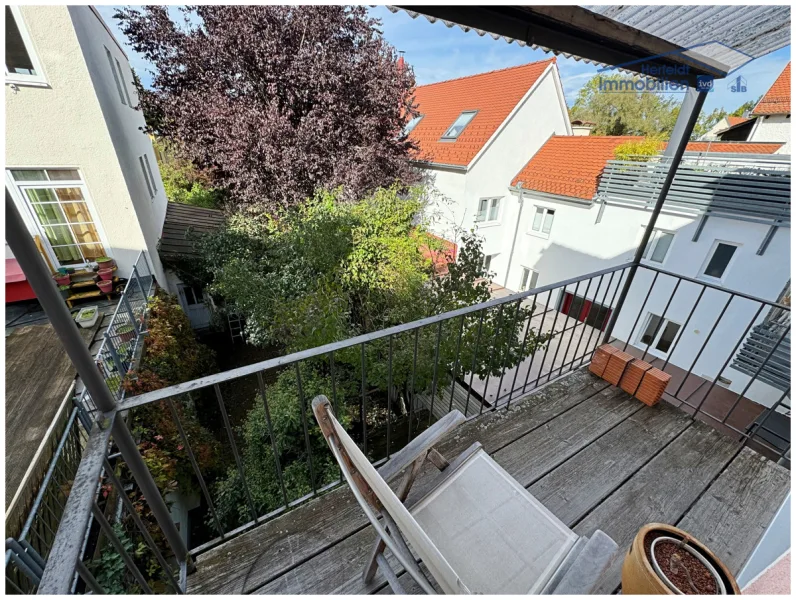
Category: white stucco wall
<point>446,209</point>
<point>577,246</point>
<point>63,124</point>
<point>772,128</point>
<point>125,126</point>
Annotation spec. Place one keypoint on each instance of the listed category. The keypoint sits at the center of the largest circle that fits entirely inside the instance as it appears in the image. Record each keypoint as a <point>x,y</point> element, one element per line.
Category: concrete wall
<point>63,124</point>
<point>772,128</point>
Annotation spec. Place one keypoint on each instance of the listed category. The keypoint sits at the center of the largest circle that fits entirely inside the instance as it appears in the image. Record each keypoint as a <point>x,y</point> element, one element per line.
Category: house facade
<point>574,219</point>
<point>81,171</point>
<point>474,133</point>
<point>773,114</point>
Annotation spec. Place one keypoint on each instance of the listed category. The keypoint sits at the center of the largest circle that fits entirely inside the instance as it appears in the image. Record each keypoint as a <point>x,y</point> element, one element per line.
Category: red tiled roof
<point>440,258</point>
<point>742,147</point>
<point>494,95</point>
<point>777,98</point>
<point>572,165</point>
<point>733,121</point>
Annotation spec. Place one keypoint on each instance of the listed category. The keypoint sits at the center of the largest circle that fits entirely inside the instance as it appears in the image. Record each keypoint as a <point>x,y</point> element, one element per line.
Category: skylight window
<point>412,124</point>
<point>455,130</point>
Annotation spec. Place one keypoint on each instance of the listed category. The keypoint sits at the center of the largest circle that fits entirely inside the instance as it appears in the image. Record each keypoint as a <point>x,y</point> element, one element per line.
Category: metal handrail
<point>281,361</point>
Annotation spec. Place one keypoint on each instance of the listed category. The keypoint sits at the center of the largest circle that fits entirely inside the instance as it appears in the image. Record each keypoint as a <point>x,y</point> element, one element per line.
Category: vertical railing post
<point>116,359</point>
<point>683,127</point>
<point>131,314</point>
<point>38,275</point>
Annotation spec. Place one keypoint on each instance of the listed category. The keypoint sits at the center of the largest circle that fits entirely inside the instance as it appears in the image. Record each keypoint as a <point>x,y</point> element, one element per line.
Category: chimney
<point>582,127</point>
<point>401,62</point>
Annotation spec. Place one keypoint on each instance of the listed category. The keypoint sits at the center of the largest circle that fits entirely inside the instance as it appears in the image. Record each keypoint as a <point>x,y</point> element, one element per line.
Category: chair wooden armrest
<point>421,444</point>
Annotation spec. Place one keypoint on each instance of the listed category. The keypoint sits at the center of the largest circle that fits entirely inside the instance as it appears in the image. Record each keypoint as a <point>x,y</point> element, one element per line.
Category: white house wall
<point>577,246</point>
<point>540,115</point>
<point>129,141</point>
<point>772,128</point>
<point>446,210</point>
<point>63,124</point>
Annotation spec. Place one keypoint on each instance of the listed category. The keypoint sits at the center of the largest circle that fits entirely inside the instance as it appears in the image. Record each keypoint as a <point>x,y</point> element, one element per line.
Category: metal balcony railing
<point>534,338</point>
<point>753,188</point>
<point>123,340</point>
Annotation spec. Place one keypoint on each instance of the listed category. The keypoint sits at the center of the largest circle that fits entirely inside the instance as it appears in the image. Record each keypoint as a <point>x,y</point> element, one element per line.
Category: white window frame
<point>19,78</point>
<point>486,221</point>
<point>709,257</point>
<point>533,278</point>
<point>491,258</point>
<point>653,243</point>
<point>411,124</point>
<point>447,137</point>
<point>540,232</point>
<point>656,339</point>
<point>17,189</point>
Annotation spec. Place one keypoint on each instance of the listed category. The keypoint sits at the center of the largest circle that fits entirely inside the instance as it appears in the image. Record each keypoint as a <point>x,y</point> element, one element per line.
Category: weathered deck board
<point>581,483</point>
<point>338,570</point>
<point>592,455</point>
<point>661,491</point>
<point>268,552</point>
<point>539,452</point>
<point>733,513</point>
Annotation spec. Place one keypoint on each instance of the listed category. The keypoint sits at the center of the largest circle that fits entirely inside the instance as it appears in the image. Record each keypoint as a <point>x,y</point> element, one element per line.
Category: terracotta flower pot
<point>105,274</point>
<point>106,262</point>
<point>639,576</point>
<point>125,332</point>
<point>62,279</point>
<point>105,286</point>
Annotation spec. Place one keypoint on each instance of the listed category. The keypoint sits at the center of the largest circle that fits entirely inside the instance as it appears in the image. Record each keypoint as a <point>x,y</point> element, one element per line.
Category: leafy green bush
<point>183,182</point>
<point>258,455</point>
<point>639,150</point>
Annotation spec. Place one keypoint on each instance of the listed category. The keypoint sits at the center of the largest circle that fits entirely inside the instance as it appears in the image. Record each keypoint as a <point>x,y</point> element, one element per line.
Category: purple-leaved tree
<point>278,100</point>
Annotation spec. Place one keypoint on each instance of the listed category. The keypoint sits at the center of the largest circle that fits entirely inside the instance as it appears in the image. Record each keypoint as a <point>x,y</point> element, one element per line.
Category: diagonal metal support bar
<point>686,120</point>
<point>58,574</point>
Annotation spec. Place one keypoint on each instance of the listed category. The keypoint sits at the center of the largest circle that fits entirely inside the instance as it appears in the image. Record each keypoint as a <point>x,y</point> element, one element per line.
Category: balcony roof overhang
<point>709,40</point>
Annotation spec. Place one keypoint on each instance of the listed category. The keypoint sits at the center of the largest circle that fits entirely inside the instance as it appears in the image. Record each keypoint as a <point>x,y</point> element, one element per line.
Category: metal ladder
<point>235,326</point>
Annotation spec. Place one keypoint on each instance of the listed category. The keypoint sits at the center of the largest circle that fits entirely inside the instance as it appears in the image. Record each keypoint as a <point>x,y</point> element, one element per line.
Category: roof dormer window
<point>455,130</point>
<point>412,124</point>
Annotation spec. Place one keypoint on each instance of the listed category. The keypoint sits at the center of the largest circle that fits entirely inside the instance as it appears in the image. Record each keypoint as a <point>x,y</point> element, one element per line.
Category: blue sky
<point>438,53</point>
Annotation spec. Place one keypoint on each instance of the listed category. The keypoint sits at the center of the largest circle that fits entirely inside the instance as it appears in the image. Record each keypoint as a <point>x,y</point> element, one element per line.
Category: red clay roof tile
<point>572,165</point>
<point>777,99</point>
<point>494,95</point>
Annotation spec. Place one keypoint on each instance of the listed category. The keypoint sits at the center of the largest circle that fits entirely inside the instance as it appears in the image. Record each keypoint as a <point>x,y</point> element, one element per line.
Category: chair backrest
<point>373,487</point>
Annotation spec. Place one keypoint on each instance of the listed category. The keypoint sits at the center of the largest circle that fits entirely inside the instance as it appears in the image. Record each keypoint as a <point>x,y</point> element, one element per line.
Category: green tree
<point>182,181</point>
<point>617,108</point>
<point>326,271</point>
<point>746,106</point>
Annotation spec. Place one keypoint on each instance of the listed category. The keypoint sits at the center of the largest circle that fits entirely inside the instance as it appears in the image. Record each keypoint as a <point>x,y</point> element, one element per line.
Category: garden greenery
<point>326,271</point>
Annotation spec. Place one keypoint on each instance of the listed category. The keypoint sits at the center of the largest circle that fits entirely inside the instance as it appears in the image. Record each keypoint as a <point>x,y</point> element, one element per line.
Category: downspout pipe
<point>516,230</point>
<point>40,279</point>
<point>683,128</point>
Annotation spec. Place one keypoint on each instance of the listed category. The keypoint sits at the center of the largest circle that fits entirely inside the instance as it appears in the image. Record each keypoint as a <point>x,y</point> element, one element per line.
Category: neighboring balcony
<point>594,456</point>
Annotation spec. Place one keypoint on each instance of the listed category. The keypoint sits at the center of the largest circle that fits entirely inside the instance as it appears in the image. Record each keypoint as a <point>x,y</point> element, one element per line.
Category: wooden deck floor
<point>595,457</point>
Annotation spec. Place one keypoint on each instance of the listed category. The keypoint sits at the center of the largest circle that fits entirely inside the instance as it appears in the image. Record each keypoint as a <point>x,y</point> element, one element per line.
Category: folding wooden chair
<point>476,531</point>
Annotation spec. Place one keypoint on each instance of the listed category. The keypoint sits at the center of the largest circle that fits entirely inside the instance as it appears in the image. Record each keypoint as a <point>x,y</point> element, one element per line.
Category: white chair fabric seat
<point>495,535</point>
